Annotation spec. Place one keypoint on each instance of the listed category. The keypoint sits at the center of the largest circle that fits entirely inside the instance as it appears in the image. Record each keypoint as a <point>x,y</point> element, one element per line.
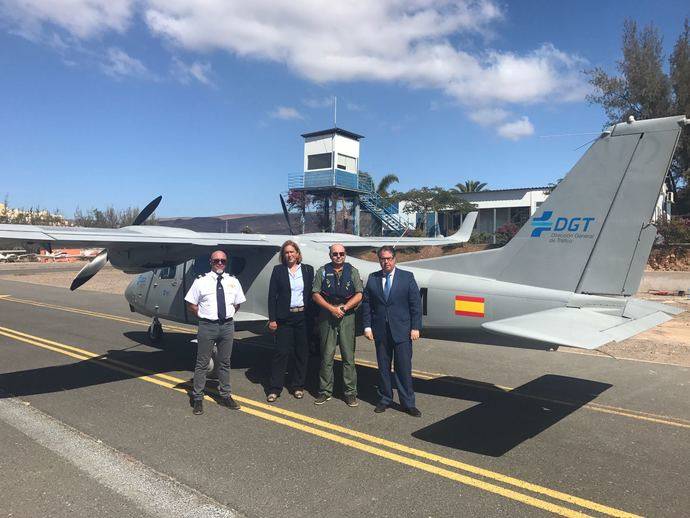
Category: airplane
<point>11,256</point>
<point>565,279</point>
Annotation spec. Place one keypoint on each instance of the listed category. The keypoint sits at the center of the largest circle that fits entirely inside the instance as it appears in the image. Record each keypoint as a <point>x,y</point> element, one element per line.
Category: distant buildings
<point>30,217</point>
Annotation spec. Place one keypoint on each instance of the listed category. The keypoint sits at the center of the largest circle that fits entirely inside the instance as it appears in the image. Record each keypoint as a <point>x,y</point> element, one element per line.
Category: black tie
<point>220,298</point>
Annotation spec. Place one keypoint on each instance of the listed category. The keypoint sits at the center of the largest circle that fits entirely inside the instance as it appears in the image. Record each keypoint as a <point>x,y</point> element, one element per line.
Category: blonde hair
<point>294,245</point>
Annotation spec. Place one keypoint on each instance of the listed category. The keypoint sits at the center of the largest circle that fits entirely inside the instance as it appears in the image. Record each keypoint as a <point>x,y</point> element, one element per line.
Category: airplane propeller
<point>93,267</point>
<point>285,213</point>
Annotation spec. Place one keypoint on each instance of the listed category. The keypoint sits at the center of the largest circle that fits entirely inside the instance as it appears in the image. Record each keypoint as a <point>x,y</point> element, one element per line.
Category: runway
<point>504,432</point>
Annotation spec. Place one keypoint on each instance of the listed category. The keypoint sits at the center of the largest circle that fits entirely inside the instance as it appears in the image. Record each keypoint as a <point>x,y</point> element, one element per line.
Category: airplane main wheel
<point>155,332</point>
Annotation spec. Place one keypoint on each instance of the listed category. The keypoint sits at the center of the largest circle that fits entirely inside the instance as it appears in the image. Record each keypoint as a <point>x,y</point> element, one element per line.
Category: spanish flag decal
<point>469,306</point>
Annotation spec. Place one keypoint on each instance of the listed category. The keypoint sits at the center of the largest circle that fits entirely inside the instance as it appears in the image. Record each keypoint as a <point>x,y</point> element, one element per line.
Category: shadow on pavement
<point>500,421</point>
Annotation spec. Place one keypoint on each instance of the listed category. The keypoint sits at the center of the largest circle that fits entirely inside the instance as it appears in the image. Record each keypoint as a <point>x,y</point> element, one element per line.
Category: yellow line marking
<point>158,379</point>
<point>4,296</point>
<point>596,407</point>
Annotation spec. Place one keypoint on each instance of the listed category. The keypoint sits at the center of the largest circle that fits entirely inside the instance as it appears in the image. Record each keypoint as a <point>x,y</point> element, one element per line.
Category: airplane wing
<point>585,328</point>
<point>127,236</point>
<point>352,242</point>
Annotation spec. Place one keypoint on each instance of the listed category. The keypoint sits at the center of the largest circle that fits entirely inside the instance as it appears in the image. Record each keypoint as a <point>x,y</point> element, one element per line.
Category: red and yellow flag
<point>469,306</point>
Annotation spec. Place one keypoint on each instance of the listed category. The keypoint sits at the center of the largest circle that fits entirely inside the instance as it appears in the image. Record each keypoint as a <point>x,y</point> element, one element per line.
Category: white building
<point>500,206</point>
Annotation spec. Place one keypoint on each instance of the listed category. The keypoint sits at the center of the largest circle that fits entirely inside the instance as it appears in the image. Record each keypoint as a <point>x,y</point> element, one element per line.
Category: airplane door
<point>166,297</point>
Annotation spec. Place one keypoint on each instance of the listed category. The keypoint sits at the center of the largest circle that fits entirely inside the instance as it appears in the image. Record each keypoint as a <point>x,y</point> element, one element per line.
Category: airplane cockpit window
<point>202,266</point>
<point>167,272</point>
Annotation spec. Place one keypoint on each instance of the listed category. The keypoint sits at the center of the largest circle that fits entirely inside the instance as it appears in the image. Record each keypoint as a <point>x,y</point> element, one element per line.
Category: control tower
<point>331,174</point>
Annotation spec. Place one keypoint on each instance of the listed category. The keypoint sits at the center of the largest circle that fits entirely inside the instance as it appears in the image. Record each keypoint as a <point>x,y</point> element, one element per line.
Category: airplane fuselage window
<point>202,266</point>
<point>168,272</point>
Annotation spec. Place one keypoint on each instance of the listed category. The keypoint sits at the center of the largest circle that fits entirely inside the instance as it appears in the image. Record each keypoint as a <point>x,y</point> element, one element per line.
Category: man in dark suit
<point>392,317</point>
<point>289,301</point>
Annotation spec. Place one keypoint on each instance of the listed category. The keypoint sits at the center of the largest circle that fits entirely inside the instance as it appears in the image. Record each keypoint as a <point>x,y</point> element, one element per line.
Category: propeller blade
<point>148,210</point>
<point>90,270</point>
<point>285,213</point>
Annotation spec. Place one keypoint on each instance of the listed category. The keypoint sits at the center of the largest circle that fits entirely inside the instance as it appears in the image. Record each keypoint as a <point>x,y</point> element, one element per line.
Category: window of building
<point>319,161</point>
<point>347,163</point>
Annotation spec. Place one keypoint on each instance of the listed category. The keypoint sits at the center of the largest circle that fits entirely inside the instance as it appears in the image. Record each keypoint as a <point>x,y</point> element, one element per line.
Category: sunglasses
<point>219,261</point>
<point>338,254</point>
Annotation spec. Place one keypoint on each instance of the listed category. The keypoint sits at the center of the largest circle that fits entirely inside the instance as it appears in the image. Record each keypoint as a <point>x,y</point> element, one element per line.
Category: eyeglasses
<point>338,254</point>
<point>219,261</point>
<point>383,259</point>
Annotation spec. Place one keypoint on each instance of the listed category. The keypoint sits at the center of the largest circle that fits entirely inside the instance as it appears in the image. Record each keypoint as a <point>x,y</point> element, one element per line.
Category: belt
<point>297,309</point>
<point>215,321</point>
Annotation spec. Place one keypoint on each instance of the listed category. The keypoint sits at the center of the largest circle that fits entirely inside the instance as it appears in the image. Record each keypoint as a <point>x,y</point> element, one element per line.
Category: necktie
<point>220,299</point>
<point>387,286</point>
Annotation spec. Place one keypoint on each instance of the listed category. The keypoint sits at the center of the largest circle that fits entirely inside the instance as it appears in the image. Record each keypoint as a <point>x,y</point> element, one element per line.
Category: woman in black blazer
<point>289,298</point>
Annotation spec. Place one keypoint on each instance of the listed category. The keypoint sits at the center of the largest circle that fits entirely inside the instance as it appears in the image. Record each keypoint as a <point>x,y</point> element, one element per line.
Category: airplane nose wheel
<point>155,332</point>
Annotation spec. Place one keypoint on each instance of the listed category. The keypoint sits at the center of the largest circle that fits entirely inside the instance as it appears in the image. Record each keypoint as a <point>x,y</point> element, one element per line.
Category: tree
<point>110,218</point>
<point>432,199</point>
<point>680,85</point>
<point>642,89</point>
<point>384,185</point>
<point>469,186</point>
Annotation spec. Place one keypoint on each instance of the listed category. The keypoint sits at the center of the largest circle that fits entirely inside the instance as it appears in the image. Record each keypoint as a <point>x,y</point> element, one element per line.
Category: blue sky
<point>112,102</point>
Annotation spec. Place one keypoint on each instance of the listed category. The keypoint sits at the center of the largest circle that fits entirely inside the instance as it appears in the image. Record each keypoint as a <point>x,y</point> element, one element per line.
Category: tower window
<point>320,161</point>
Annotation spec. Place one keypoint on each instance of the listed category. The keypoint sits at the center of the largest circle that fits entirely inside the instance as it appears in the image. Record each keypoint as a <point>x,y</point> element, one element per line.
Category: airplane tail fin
<point>593,234</point>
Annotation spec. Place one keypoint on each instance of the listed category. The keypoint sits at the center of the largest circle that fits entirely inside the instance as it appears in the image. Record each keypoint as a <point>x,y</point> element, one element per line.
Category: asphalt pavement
<point>504,431</point>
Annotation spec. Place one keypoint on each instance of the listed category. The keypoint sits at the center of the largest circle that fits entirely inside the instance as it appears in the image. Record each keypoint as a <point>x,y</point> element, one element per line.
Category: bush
<point>480,238</point>
<point>675,231</point>
<point>505,233</point>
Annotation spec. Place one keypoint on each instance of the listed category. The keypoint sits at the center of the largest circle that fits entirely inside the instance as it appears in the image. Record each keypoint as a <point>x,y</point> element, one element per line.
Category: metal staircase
<point>384,211</point>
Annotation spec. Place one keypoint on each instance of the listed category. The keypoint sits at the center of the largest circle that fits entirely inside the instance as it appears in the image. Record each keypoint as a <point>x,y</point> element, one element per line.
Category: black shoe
<point>413,411</point>
<point>198,407</point>
<point>380,408</point>
<point>229,403</point>
<point>351,401</point>
<point>321,399</point>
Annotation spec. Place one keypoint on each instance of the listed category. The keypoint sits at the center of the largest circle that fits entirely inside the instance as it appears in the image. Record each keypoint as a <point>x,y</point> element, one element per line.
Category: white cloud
<point>318,102</point>
<point>489,116</point>
<point>81,18</point>
<point>517,129</point>
<point>186,72</point>
<point>119,64</point>
<point>420,43</point>
<point>389,40</point>
<point>286,113</point>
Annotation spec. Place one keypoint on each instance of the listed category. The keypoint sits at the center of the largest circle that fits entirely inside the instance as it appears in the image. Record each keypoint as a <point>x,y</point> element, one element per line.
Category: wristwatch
<point>343,309</point>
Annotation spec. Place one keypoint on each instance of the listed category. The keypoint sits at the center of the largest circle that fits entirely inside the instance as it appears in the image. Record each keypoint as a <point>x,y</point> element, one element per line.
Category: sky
<point>114,102</point>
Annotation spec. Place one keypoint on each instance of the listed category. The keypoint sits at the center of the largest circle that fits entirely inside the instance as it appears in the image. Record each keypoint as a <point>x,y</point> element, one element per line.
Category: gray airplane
<point>566,278</point>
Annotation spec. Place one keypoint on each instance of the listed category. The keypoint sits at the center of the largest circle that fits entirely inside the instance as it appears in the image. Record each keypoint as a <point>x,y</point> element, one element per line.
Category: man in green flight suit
<point>337,290</point>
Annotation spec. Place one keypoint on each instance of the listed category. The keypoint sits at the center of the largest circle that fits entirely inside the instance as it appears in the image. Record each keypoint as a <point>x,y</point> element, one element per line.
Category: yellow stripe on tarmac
<point>174,383</point>
<point>596,407</point>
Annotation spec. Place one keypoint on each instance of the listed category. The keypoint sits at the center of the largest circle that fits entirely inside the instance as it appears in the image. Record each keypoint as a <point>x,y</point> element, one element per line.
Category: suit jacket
<point>402,310</point>
<point>279,291</point>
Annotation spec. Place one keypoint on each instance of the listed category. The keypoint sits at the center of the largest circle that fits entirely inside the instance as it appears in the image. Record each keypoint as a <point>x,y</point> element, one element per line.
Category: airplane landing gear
<point>155,332</point>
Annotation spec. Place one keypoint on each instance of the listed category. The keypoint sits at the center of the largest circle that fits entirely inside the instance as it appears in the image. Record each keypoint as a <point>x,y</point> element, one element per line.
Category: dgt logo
<point>544,223</point>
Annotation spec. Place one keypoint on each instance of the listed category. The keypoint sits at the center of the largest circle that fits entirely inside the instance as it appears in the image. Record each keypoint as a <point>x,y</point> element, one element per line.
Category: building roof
<point>511,189</point>
<point>336,131</point>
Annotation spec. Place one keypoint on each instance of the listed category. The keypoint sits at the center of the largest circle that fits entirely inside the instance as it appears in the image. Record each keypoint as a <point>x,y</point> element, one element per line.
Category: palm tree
<point>470,186</point>
<point>385,184</point>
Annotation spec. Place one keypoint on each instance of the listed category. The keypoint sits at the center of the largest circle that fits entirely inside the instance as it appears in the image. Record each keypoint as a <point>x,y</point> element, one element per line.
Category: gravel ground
<point>667,343</point>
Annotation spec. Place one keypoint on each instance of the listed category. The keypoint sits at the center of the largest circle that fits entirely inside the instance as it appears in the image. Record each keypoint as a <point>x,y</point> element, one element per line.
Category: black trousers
<point>291,341</point>
<point>400,354</point>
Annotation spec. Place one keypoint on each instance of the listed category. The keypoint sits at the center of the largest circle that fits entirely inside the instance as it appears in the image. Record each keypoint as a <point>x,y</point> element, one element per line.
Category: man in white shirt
<point>214,298</point>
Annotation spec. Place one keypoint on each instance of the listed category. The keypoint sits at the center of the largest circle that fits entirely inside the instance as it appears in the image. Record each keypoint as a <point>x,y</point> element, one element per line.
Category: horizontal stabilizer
<point>353,242</point>
<point>585,328</point>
